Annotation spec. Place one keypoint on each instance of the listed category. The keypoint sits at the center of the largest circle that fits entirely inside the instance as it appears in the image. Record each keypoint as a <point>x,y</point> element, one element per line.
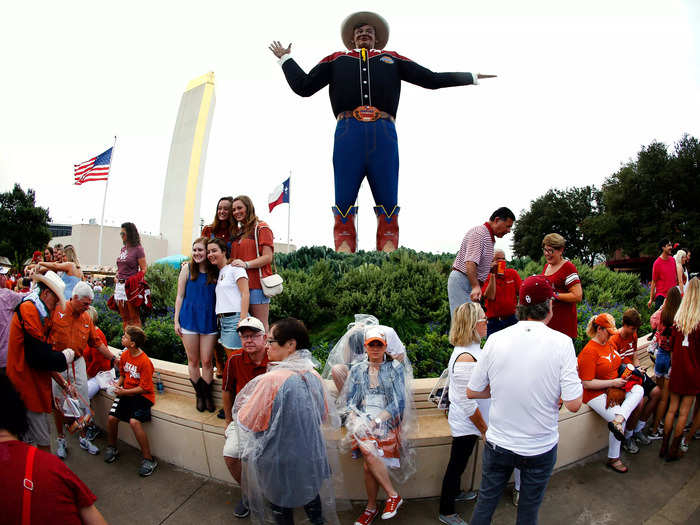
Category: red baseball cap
<point>535,289</point>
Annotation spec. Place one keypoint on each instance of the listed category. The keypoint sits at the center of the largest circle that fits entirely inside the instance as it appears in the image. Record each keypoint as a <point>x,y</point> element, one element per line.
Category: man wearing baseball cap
<point>243,365</point>
<point>529,368</point>
<point>31,360</point>
<point>364,87</point>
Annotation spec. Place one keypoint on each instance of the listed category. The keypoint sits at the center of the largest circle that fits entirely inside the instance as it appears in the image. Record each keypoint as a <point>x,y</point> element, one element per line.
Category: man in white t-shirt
<point>526,370</point>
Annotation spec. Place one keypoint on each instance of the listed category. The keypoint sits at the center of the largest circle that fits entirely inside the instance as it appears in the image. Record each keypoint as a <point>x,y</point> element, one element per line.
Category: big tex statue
<point>364,87</point>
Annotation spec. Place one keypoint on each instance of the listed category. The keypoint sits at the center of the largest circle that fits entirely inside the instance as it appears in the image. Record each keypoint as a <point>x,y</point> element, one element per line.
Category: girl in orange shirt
<point>598,365</point>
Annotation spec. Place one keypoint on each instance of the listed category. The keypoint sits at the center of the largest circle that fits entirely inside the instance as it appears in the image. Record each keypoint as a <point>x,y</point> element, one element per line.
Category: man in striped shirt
<point>473,262</point>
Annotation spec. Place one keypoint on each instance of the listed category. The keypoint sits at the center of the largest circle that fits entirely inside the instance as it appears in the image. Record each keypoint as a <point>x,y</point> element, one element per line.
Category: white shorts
<point>185,331</point>
<point>120,291</point>
<point>232,447</point>
<point>77,375</point>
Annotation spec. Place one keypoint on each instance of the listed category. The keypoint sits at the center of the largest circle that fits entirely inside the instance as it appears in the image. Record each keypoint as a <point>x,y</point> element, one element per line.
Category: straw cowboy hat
<point>54,283</point>
<point>381,28</point>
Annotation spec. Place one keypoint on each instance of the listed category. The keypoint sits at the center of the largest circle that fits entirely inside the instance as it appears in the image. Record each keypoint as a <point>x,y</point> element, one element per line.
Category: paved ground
<point>652,493</point>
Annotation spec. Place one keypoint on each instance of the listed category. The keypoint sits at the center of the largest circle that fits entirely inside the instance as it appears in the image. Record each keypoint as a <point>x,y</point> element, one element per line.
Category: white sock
<point>640,426</point>
<point>628,434</point>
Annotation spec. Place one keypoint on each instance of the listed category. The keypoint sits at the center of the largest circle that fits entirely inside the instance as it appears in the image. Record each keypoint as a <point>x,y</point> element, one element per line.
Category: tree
<point>24,226</point>
<point>562,212</point>
<point>649,199</point>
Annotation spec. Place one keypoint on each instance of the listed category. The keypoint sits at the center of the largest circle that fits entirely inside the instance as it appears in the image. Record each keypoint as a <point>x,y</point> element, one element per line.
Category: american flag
<point>97,168</point>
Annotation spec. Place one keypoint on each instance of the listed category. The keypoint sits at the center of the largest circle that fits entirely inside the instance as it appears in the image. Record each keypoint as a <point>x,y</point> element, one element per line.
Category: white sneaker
<point>86,444</point>
<point>61,448</point>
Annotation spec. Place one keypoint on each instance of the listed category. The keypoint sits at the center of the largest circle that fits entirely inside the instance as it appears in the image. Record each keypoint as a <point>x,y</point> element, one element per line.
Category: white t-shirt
<point>228,296</point>
<point>461,407</point>
<point>529,367</point>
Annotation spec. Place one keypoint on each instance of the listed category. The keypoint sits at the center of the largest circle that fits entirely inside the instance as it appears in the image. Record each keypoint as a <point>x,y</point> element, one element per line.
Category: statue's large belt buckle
<point>366,113</point>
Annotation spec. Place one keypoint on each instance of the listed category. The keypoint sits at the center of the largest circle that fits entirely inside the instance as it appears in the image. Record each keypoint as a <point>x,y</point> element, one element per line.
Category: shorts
<point>39,429</point>
<point>126,408</point>
<point>77,375</point>
<point>648,385</point>
<point>662,365</point>
<point>258,297</point>
<point>232,446</point>
<point>185,331</point>
<point>229,337</point>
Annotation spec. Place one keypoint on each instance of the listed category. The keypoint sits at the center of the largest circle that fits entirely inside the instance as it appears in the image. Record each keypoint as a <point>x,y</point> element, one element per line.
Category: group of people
<point>220,286</point>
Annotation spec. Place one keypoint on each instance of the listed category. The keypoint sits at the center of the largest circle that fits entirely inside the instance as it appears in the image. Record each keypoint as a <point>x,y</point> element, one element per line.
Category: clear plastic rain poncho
<point>283,416</point>
<point>377,404</point>
<point>350,348</point>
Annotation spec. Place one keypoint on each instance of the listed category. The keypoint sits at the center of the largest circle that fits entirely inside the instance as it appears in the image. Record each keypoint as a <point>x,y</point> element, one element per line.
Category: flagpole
<point>104,203</point>
<point>289,212</point>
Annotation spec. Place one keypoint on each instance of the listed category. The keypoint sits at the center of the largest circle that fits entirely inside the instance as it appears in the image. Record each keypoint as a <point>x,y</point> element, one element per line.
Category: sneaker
<point>391,507</point>
<point>86,444</point>
<point>367,517</point>
<point>220,414</point>
<point>111,454</point>
<point>629,446</point>
<point>93,431</point>
<point>61,448</point>
<point>241,510</point>
<point>684,445</point>
<point>659,434</point>
<point>355,453</point>
<point>516,497</point>
<point>452,519</point>
<point>466,496</point>
<point>641,438</point>
<point>147,467</point>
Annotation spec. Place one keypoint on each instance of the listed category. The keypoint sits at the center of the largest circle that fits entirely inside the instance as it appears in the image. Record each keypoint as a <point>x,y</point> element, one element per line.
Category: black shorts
<point>131,407</point>
<point>648,385</point>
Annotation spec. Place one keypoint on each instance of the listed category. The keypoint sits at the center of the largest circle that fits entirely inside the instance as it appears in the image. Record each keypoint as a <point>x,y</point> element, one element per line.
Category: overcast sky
<point>581,87</point>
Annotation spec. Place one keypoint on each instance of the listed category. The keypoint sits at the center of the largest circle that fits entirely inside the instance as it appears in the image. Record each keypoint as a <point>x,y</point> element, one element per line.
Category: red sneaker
<point>391,507</point>
<point>367,517</point>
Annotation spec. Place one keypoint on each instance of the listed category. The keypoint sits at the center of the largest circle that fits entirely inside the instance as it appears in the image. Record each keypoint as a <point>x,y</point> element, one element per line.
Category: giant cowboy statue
<point>365,84</point>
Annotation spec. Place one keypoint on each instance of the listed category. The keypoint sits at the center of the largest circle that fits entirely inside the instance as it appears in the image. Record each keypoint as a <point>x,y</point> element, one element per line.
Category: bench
<point>193,440</point>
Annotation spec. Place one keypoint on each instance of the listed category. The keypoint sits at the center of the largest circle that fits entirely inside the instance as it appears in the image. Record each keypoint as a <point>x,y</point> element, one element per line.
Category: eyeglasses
<point>250,336</point>
<point>548,250</point>
<point>482,320</point>
<point>273,341</point>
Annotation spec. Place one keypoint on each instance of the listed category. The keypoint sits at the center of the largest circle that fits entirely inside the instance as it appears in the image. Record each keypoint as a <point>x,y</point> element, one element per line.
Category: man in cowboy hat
<point>364,87</point>
<point>31,360</point>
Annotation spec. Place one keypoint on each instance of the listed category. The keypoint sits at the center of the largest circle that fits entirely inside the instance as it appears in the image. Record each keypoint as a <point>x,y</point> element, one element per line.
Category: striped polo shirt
<point>477,247</point>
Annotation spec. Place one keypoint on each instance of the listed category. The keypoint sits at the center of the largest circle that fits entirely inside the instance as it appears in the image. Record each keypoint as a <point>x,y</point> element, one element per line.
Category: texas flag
<point>279,195</point>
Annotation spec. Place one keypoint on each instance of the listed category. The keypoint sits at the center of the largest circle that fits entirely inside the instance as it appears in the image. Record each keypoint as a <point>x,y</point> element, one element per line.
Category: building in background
<point>84,237</point>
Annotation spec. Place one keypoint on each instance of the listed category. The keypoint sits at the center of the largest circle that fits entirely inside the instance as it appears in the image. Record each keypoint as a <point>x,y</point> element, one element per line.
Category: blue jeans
<point>495,324</point>
<point>459,290</point>
<point>366,149</point>
<point>497,467</point>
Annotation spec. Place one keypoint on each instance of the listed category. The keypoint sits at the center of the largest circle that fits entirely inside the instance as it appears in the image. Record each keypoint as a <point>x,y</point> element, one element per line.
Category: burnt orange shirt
<point>626,347</point>
<point>137,371</point>
<point>34,386</point>
<point>244,249</point>
<point>597,361</point>
<point>69,330</point>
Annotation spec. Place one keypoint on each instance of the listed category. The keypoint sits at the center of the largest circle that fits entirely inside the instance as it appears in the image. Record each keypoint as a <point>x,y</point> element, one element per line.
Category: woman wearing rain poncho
<point>350,349</point>
<point>377,402</point>
<point>281,415</point>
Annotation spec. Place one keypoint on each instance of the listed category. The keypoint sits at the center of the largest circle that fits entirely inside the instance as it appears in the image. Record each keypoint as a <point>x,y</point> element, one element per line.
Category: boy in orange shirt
<point>625,343</point>
<point>134,398</point>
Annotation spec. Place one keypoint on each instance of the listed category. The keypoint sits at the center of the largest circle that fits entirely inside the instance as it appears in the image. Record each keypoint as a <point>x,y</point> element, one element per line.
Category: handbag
<point>272,284</point>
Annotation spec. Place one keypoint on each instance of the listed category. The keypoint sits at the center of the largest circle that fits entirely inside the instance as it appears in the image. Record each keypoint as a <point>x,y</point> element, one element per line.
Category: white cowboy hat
<point>381,28</point>
<point>54,283</point>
